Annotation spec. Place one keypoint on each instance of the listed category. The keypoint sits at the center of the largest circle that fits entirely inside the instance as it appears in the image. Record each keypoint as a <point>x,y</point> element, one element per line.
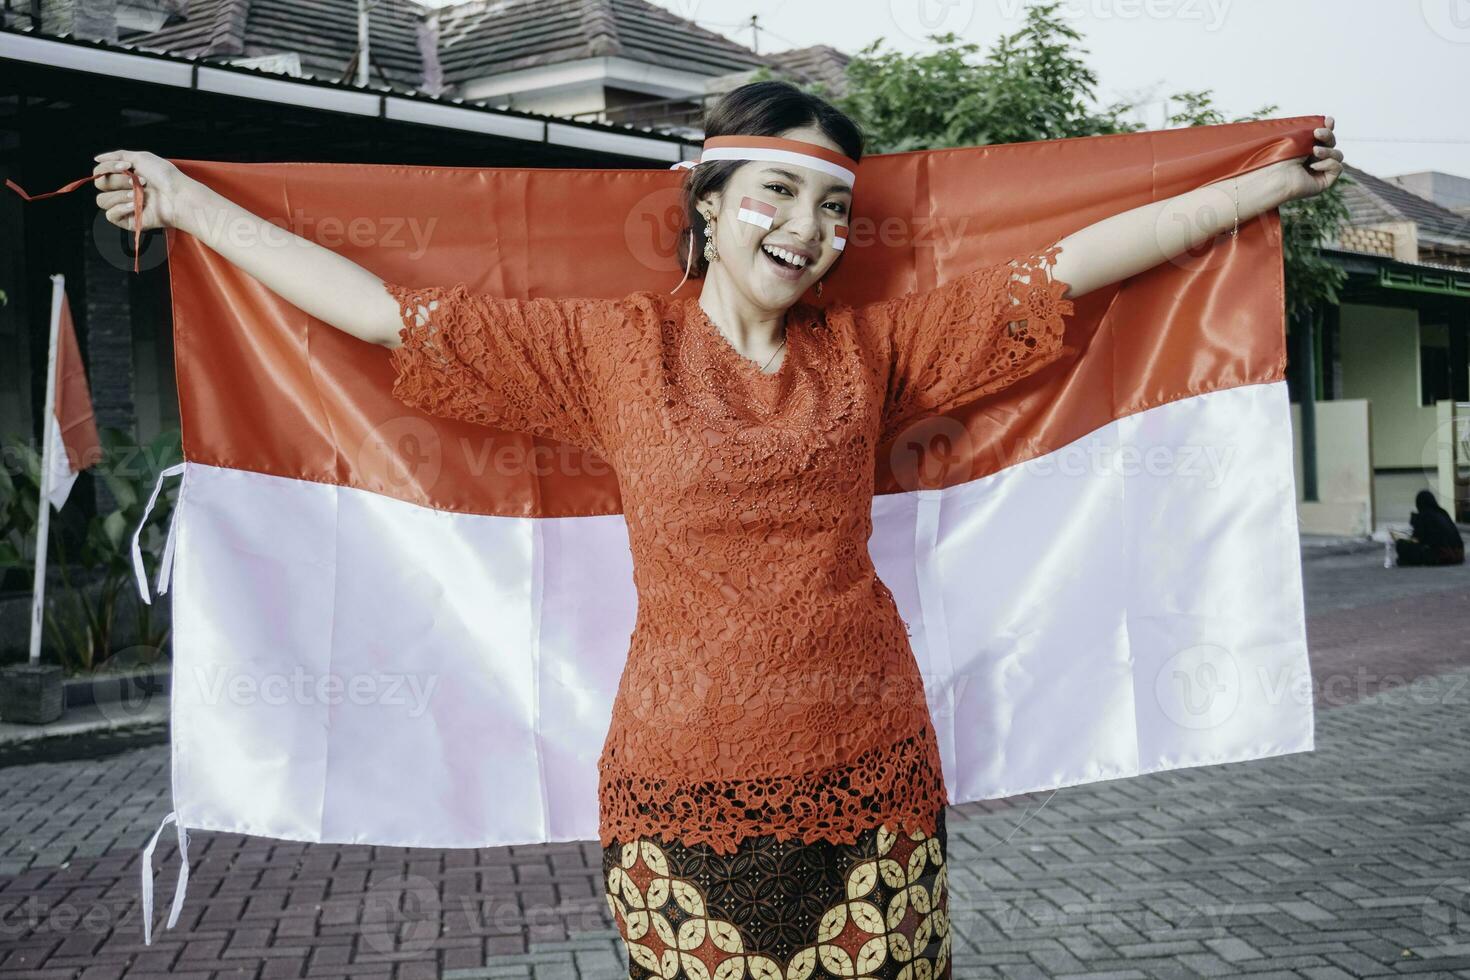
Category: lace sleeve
<point>518,365</point>
<point>974,335</point>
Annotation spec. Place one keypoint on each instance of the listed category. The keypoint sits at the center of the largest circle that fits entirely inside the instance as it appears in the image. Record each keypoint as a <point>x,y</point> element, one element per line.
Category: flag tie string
<point>166,565</point>
<point>137,203</point>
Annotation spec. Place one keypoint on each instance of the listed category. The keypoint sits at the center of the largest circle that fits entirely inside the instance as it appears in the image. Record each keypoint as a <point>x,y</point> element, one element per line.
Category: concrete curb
<point>1325,546</point>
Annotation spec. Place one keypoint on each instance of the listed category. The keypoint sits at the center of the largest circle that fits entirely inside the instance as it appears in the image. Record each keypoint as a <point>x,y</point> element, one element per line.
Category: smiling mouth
<point>788,262</point>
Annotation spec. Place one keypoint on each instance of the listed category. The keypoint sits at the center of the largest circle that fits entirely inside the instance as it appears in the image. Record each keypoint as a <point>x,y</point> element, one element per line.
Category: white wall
<point>1380,363</point>
<point>1345,485</point>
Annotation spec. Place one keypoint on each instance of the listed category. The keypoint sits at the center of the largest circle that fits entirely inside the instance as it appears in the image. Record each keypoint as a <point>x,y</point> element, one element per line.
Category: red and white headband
<point>776,149</point>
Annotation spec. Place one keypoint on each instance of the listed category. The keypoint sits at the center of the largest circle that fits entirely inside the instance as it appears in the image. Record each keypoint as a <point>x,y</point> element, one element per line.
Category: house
<point>621,61</point>
<point>1386,374</point>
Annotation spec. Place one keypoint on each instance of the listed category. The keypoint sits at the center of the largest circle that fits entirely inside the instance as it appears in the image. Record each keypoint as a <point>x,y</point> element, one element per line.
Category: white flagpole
<point>43,509</point>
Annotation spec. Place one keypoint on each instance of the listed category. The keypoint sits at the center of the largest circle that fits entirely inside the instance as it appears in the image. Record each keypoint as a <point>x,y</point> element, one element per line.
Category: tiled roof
<point>323,32</point>
<point>1373,200</point>
<point>819,63</point>
<point>487,37</point>
<point>182,72</point>
<point>483,37</point>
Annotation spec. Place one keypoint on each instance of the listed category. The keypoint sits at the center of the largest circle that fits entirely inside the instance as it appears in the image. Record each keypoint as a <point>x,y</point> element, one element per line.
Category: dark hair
<point>757,109</point>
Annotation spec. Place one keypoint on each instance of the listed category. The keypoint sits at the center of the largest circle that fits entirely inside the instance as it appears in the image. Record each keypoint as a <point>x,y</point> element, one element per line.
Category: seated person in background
<point>1436,539</point>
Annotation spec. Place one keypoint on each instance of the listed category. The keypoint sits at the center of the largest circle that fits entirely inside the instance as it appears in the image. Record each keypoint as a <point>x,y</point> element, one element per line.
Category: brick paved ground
<point>1350,861</point>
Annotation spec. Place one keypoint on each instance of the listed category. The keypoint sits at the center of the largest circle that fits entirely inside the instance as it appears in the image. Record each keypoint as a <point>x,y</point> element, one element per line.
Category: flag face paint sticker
<point>757,213</point>
<point>839,237</point>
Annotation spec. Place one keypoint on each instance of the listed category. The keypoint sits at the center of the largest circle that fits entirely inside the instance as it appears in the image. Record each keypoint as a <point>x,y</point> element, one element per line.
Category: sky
<point>1392,73</point>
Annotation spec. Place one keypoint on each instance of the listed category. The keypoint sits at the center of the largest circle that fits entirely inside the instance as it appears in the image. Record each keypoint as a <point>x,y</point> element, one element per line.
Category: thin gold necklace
<point>711,321</point>
<point>773,356</point>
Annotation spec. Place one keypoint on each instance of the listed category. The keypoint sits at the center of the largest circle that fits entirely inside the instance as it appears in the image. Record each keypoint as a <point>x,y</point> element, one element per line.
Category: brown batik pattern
<point>876,909</point>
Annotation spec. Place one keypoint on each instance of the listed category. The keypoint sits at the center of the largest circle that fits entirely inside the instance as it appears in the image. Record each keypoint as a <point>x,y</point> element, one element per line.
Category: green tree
<point>1035,85</point>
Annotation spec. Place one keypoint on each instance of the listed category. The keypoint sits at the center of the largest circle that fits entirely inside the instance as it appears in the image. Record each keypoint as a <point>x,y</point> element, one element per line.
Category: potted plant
<point>30,692</point>
<point>81,614</point>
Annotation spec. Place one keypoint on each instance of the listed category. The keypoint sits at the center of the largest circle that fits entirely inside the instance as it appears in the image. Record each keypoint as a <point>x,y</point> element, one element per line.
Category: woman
<point>1435,539</point>
<point>771,800</point>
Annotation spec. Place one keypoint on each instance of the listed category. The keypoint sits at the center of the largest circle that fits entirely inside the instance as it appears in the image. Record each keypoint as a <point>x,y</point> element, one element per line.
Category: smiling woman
<point>773,814</point>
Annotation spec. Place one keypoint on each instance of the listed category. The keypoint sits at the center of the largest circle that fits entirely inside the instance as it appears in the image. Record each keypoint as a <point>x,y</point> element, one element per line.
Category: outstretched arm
<point>1138,239</point>
<point>330,287</point>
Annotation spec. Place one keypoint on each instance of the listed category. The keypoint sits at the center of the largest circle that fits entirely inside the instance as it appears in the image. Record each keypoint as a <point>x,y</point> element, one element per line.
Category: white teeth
<point>797,260</point>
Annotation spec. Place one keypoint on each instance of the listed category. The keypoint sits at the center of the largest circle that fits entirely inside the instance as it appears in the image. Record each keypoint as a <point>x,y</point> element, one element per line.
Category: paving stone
<point>1349,861</point>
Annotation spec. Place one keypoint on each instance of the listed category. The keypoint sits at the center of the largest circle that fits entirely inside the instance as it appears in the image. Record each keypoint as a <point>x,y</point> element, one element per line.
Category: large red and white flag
<point>397,629</point>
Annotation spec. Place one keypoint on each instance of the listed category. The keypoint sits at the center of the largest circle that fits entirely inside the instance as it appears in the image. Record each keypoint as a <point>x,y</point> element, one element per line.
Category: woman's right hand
<point>161,183</point>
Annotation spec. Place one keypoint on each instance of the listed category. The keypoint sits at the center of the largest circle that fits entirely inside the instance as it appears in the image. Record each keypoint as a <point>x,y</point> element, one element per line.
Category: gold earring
<point>711,253</point>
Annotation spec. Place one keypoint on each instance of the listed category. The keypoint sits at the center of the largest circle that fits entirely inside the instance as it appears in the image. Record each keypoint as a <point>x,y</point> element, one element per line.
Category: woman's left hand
<point>1312,174</point>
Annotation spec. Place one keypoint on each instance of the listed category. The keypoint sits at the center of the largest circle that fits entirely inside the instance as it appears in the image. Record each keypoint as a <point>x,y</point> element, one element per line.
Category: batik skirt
<point>784,910</point>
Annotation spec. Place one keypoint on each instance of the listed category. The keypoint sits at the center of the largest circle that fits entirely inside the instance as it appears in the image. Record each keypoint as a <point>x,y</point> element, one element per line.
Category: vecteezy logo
<point>651,231</point>
<point>1198,687</point>
<point>400,916</point>
<point>1450,19</point>
<point>407,450</point>
<point>921,18</point>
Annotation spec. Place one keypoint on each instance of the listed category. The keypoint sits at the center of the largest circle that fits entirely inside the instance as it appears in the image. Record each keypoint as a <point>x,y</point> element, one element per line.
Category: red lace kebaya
<point>770,687</point>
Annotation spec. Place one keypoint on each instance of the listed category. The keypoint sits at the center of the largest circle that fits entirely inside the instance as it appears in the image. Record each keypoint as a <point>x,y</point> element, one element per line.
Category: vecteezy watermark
<point>1445,917</point>
<point>410,452</point>
<point>1198,687</point>
<point>1391,688</point>
<point>652,228</point>
<point>938,451</point>
<point>1205,467</point>
<point>130,684</point>
<point>1159,921</point>
<point>401,915</point>
<point>1446,449</point>
<point>656,223</point>
<point>1209,15</point>
<point>406,449</point>
<point>383,231</point>
<point>37,917</point>
<point>942,233</point>
<point>930,454</point>
<point>920,19</point>
<point>1206,679</point>
<point>115,245</point>
<point>1208,226</point>
<point>216,685</point>
<point>1450,19</point>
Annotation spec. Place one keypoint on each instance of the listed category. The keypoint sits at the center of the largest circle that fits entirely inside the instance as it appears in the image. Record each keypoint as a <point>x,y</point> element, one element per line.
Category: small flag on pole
<point>71,428</point>
<point>839,237</point>
<point>757,213</point>
<point>69,439</point>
